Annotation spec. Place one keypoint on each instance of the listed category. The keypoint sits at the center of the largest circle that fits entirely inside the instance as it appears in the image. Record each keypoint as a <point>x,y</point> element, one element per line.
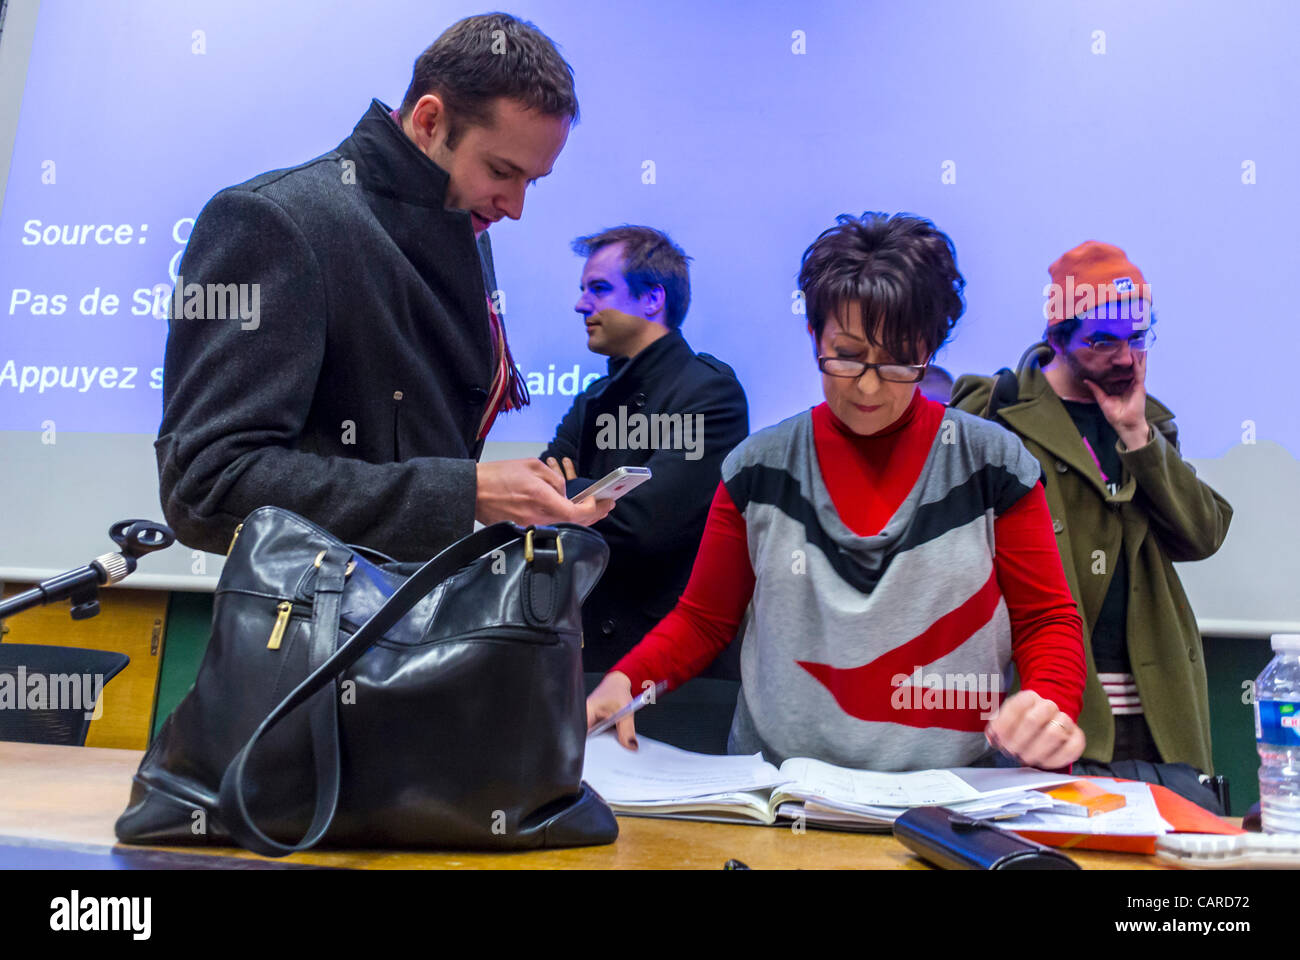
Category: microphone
<point>80,586</point>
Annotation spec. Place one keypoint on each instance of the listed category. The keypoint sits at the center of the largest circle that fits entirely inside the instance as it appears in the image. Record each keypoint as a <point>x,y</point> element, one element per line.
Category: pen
<point>632,707</point>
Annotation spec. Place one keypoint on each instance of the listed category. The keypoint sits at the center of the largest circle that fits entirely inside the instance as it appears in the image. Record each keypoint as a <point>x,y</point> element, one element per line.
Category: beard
<point>1112,382</point>
<point>1117,385</point>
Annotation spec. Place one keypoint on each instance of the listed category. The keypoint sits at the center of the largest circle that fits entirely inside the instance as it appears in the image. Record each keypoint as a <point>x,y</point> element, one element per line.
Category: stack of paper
<point>1137,818</point>
<point>660,780</point>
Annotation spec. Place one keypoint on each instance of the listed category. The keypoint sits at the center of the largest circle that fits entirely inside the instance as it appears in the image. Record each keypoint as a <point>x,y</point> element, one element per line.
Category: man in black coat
<point>662,406</point>
<point>334,349</point>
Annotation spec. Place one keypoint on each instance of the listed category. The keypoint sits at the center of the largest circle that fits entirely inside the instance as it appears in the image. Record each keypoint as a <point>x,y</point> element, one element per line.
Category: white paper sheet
<point>657,771</point>
<point>919,788</point>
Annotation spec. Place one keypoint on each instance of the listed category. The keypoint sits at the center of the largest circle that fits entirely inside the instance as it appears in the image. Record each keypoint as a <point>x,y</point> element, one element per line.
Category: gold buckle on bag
<point>528,547</point>
<point>352,565</point>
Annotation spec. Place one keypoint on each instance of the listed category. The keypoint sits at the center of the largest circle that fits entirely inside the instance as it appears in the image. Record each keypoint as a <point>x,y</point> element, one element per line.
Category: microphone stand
<point>81,586</point>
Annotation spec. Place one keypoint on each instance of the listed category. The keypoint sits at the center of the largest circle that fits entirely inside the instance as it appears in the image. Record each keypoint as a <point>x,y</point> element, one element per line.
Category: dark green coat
<point>1161,513</point>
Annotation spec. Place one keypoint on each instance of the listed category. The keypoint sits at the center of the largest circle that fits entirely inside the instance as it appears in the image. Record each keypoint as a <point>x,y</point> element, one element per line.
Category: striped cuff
<point>1122,692</point>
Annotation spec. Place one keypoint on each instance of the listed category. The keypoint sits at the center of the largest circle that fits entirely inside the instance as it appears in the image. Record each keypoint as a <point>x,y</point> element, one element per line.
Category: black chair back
<point>48,694</point>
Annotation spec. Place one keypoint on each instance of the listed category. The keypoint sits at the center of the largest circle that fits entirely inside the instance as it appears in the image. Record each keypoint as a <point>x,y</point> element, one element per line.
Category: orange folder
<point>1086,799</point>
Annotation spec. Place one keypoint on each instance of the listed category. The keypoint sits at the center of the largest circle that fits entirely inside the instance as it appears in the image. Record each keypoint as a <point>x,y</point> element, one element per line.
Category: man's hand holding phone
<point>528,492</point>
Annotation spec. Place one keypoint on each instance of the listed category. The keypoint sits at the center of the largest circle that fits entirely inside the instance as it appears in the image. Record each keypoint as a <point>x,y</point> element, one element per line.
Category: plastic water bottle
<point>1277,734</point>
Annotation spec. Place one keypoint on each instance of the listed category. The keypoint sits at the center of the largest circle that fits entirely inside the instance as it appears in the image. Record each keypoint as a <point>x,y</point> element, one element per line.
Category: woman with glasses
<point>896,558</point>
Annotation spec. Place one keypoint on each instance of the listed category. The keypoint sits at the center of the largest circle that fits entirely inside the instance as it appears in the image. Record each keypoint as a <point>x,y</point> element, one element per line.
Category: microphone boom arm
<point>81,585</point>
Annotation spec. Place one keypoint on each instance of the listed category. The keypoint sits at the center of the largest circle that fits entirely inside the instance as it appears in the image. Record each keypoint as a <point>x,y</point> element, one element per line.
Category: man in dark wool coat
<point>664,407</point>
<point>358,389</point>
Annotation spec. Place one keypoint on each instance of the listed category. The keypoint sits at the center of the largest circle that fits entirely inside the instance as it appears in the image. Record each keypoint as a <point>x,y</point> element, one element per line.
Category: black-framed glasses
<point>1105,345</point>
<point>851,369</point>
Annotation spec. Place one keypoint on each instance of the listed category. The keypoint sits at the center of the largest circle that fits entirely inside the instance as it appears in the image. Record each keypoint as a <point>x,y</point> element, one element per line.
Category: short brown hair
<point>901,269</point>
<point>650,259</point>
<point>479,59</point>
<point>1059,334</point>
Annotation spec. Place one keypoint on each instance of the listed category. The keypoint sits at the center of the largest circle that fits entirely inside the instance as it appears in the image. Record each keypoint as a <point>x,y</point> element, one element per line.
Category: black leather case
<point>954,841</point>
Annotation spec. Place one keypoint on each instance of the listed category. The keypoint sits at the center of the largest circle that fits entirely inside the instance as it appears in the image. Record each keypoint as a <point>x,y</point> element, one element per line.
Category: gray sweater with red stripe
<point>873,652</point>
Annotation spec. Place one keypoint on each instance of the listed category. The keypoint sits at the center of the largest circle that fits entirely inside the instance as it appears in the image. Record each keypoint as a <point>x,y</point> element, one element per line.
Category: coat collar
<point>1040,416</point>
<point>389,163</point>
<point>668,352</point>
<point>405,191</point>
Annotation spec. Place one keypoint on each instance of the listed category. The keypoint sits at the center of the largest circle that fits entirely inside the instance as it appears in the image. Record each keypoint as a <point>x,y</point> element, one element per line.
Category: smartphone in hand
<point>614,484</point>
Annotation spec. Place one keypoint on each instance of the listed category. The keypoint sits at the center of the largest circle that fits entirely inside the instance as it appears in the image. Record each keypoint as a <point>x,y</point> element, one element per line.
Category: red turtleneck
<point>868,478</point>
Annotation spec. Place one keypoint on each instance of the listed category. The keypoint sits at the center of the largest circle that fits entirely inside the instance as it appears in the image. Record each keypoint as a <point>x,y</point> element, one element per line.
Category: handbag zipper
<point>397,409</point>
<point>499,632</point>
<point>281,622</point>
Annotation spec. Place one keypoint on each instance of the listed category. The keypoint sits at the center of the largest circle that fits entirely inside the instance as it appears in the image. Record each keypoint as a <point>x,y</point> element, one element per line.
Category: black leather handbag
<point>363,704</point>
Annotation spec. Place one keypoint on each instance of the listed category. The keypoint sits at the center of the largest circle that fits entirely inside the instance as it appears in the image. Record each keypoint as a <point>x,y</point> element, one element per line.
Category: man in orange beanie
<point>1125,506</point>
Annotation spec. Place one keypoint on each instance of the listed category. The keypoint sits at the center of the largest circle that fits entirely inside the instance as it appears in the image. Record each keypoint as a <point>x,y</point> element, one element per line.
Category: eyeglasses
<point>1105,346</point>
<point>852,369</point>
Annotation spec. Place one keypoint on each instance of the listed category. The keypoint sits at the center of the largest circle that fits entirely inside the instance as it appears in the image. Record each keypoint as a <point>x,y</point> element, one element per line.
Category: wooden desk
<point>73,795</point>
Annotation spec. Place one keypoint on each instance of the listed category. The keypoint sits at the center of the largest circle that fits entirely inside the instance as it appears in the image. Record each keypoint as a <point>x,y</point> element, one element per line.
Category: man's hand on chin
<point>1127,411</point>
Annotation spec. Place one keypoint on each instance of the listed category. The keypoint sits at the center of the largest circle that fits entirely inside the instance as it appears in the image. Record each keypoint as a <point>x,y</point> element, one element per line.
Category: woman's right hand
<point>611,695</point>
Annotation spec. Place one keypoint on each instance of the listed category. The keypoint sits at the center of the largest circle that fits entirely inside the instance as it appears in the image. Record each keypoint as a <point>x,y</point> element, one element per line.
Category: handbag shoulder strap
<point>233,810</point>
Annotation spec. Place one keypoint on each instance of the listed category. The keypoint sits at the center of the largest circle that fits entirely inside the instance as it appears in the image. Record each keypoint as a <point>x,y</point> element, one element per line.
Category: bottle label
<point>1277,722</point>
